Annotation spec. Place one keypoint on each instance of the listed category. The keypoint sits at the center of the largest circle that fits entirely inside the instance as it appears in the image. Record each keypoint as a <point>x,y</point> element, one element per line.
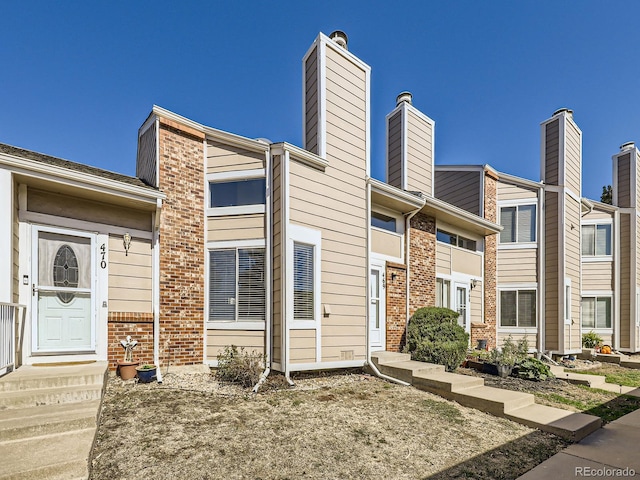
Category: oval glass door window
<point>65,272</point>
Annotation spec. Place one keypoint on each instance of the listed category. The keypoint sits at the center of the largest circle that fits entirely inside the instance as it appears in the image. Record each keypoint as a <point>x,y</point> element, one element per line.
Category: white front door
<point>63,299</point>
<point>462,305</point>
<point>377,308</point>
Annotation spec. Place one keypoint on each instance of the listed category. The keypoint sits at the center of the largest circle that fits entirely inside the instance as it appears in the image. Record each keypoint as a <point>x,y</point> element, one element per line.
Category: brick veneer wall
<point>139,326</point>
<point>181,244</point>
<point>490,266</point>
<point>396,310</point>
<point>422,274</point>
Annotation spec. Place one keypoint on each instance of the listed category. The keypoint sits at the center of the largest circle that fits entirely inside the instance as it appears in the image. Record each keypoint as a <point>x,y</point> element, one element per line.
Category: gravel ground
<point>341,426</point>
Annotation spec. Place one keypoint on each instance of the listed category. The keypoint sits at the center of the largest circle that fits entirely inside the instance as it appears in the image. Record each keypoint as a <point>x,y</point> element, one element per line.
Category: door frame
<point>35,231</point>
<point>467,288</point>
<point>381,266</point>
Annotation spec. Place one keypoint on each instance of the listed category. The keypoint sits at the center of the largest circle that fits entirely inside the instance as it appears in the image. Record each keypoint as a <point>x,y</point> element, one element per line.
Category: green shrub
<point>591,340</point>
<point>533,369</point>
<point>507,355</point>
<point>240,367</point>
<point>434,336</point>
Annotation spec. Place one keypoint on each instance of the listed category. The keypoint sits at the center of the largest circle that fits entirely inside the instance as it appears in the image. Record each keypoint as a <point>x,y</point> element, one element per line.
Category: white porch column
<point>6,235</point>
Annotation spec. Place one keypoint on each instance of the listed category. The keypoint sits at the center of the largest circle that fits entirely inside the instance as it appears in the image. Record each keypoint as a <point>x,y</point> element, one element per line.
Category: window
<point>443,293</point>
<point>236,285</point>
<point>567,301</point>
<point>456,240</point>
<point>519,224</point>
<point>238,192</point>
<point>518,308</point>
<point>596,240</point>
<point>596,312</point>
<point>65,272</point>
<point>380,220</point>
<point>303,281</point>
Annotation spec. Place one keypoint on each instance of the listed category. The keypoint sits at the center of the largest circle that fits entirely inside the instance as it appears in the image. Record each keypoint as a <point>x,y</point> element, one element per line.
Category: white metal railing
<point>11,322</point>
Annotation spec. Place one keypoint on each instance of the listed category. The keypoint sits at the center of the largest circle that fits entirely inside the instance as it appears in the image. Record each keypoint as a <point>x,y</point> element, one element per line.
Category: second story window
<point>519,224</point>
<point>380,220</point>
<point>236,193</point>
<point>455,239</point>
<point>596,240</point>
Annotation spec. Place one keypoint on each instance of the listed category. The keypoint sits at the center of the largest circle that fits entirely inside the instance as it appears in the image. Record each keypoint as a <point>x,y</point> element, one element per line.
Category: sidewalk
<point>608,453</point>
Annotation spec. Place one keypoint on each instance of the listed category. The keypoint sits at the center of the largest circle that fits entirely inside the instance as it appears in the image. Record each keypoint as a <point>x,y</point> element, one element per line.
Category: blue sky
<point>78,78</point>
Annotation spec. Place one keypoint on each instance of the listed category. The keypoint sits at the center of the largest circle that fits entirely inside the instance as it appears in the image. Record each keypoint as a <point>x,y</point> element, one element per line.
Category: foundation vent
<point>346,355</point>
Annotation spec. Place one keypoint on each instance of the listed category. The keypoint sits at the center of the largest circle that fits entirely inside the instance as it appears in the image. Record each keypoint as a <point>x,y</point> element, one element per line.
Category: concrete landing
<point>471,392</point>
<point>48,420</point>
<point>593,381</point>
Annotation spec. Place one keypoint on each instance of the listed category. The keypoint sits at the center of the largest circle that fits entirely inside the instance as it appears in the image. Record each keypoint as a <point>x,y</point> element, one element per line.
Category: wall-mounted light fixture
<point>126,240</point>
<point>393,276</point>
<point>474,283</point>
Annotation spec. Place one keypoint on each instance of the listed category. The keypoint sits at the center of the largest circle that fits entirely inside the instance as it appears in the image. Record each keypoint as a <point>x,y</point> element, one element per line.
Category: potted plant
<point>127,367</point>
<point>146,373</point>
<point>476,359</point>
<point>505,358</point>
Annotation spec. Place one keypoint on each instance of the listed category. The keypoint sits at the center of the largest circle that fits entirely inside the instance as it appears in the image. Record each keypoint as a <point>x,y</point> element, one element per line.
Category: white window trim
<point>567,298</point>
<point>598,294</point>
<point>307,236</point>
<point>231,177</point>
<point>516,244</point>
<point>515,288</point>
<point>235,210</point>
<point>597,258</point>
<point>236,175</point>
<point>231,324</point>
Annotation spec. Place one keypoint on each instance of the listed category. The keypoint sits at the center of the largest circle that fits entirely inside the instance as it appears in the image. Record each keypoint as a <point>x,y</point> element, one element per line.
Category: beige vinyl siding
<point>225,158</point>
<point>276,195</point>
<point>386,243</point>
<point>443,258</point>
<point>607,339</point>
<point>508,192</point>
<point>552,221</point>
<point>146,163</point>
<point>15,244</point>
<point>130,276</point>
<point>597,276</point>
<point>82,209</point>
<point>573,157</point>
<point>532,338</point>
<point>596,214</point>
<point>235,227</point>
<point>419,154</point>
<point>394,150</point>
<point>518,265</point>
<point>552,152</point>
<point>475,302</point>
<point>461,189</point>
<point>334,202</point>
<point>303,346</point>
<point>250,340</point>
<point>624,180</point>
<point>572,267</point>
<point>627,287</point>
<point>311,102</point>
<point>464,261</point>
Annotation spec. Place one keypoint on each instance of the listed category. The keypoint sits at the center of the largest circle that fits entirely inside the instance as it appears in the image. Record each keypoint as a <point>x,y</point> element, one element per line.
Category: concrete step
<point>594,381</point>
<point>31,377</point>
<point>569,425</point>
<point>49,396</point>
<point>56,456</point>
<point>17,423</point>
<point>495,401</point>
<point>630,363</point>
<point>445,383</point>
<point>388,357</point>
<point>406,370</point>
<point>608,357</point>
<point>614,388</point>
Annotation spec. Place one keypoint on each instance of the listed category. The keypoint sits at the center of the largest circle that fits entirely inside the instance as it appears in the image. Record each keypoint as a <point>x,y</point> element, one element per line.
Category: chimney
<point>625,172</point>
<point>410,136</point>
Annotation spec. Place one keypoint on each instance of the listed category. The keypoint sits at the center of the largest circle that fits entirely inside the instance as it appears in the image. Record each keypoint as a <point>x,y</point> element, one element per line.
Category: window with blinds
<point>596,240</point>
<point>519,224</point>
<point>443,293</point>
<point>518,308</point>
<point>595,312</point>
<point>303,302</point>
<point>236,285</point>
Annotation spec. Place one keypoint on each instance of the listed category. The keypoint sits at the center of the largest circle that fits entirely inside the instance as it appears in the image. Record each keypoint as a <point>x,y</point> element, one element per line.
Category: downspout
<point>156,290</point>
<point>369,362</point>
<point>267,275</point>
<point>541,232</point>
<point>284,246</point>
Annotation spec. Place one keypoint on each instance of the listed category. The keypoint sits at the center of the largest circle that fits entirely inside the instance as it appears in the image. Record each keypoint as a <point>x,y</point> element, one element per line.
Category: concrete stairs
<point>593,381</point>
<point>471,392</point>
<point>48,420</point>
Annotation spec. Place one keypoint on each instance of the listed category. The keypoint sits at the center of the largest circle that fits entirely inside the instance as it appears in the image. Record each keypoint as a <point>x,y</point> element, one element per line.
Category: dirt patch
<point>350,426</point>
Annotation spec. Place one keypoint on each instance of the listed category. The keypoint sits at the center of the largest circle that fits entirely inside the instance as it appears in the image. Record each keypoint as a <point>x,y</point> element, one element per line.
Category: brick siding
<point>396,311</point>
<point>422,274</point>
<point>490,268</point>
<point>139,326</point>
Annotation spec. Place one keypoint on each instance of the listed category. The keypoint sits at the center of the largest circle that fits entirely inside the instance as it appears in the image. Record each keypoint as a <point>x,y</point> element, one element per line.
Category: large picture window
<point>596,240</point>
<point>518,308</point>
<point>596,312</point>
<point>519,224</point>
<point>236,285</point>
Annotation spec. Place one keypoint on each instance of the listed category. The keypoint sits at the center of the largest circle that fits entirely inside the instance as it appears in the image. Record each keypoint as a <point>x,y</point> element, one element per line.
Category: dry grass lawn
<point>347,426</point>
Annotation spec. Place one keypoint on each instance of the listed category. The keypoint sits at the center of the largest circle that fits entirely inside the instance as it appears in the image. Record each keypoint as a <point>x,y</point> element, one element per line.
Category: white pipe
<point>263,378</point>
<point>377,373</point>
<point>287,377</point>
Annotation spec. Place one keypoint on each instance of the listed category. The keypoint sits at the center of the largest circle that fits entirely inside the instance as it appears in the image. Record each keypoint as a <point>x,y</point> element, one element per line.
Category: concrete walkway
<point>605,454</point>
<point>48,420</point>
<point>593,381</point>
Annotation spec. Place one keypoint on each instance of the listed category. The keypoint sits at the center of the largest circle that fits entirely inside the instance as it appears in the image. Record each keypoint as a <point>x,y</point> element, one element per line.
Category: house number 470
<point>103,253</point>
